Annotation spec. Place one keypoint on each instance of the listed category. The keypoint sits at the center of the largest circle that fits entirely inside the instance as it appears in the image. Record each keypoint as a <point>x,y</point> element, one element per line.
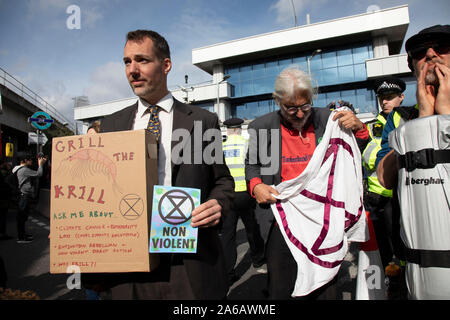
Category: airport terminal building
<point>344,57</point>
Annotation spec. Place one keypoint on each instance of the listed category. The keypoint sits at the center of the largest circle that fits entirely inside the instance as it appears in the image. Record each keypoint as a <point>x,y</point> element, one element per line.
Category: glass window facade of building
<point>254,109</point>
<point>207,106</point>
<point>335,66</point>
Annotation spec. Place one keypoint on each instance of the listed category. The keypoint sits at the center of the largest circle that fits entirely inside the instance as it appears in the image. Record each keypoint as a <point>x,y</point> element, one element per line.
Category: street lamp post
<point>218,95</point>
<point>308,59</point>
<point>295,16</point>
<point>186,90</point>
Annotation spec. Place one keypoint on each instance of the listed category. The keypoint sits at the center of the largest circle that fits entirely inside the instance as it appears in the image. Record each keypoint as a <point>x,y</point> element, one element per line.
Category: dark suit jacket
<point>256,159</point>
<point>206,268</point>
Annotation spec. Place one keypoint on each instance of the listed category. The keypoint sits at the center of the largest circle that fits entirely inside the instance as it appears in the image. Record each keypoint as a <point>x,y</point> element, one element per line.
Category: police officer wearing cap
<point>389,91</point>
<point>235,148</point>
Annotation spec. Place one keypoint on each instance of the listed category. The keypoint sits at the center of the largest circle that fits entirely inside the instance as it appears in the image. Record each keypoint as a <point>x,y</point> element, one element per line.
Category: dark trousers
<point>168,282</point>
<point>3,275</point>
<point>4,206</point>
<point>23,207</point>
<point>380,209</point>
<point>244,207</point>
<point>282,272</point>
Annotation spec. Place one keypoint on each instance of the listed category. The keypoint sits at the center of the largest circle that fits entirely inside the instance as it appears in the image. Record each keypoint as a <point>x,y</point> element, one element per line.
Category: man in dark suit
<point>179,276</point>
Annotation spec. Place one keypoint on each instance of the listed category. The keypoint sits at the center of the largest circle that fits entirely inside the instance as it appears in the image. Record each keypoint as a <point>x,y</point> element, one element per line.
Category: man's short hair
<point>162,50</point>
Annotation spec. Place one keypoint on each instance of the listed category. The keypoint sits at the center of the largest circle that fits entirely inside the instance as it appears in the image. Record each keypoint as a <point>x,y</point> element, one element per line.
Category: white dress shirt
<point>166,121</point>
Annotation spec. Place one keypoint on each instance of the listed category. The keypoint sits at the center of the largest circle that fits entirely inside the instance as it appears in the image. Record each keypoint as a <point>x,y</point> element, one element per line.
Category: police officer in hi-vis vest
<point>235,148</point>
<point>389,91</point>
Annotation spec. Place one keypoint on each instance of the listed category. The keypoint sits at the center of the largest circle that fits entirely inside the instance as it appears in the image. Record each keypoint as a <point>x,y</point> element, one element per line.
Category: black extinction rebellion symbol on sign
<point>131,206</point>
<point>175,207</point>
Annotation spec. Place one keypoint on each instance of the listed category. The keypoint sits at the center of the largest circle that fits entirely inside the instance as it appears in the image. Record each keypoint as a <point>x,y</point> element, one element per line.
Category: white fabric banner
<point>319,211</point>
<point>370,283</point>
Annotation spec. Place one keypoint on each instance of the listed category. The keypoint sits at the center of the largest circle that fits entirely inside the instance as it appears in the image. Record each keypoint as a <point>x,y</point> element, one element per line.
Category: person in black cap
<point>389,91</point>
<point>429,59</point>
<point>243,206</point>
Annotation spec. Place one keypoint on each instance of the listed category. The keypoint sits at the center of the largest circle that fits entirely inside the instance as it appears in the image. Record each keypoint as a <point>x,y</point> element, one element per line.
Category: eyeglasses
<point>294,109</point>
<point>420,52</point>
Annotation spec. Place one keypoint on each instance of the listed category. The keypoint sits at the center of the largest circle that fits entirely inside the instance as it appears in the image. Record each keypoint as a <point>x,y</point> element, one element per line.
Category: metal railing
<point>23,91</point>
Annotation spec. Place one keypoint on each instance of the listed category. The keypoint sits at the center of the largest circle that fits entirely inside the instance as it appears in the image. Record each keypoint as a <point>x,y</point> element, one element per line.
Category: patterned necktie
<point>154,126</point>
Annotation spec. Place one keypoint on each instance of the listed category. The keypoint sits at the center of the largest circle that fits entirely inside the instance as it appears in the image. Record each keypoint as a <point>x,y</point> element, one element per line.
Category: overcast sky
<point>60,63</point>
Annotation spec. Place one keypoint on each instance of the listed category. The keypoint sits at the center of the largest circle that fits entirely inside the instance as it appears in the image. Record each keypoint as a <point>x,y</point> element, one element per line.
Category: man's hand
<point>263,193</point>
<point>387,171</point>
<point>425,94</point>
<point>207,214</point>
<point>348,120</point>
<point>42,161</point>
<point>442,105</point>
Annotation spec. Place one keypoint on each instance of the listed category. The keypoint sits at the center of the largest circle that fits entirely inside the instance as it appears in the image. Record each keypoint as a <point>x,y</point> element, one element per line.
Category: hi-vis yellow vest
<point>234,149</point>
<point>398,120</point>
<point>369,156</point>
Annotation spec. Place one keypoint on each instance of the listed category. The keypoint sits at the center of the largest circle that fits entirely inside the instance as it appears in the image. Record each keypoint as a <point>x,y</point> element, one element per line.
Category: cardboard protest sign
<point>100,194</point>
<point>171,229</point>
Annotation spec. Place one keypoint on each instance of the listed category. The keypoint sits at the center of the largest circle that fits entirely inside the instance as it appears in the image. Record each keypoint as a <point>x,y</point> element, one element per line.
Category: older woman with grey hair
<point>295,130</point>
<point>294,93</point>
<point>291,79</point>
